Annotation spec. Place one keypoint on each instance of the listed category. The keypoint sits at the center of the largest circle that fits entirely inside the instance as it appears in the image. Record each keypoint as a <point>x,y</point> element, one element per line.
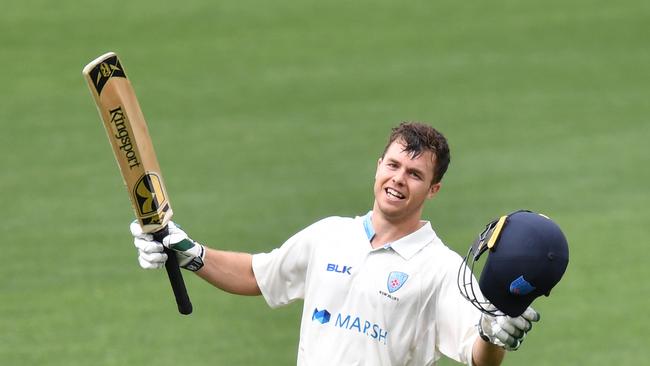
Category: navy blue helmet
<point>527,256</point>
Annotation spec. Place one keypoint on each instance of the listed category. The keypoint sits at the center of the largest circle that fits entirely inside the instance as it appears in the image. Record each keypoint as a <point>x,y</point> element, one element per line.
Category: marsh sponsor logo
<point>321,316</point>
<point>354,324</point>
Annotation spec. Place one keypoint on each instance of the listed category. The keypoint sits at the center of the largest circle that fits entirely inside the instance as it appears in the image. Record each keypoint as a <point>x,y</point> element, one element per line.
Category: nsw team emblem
<point>396,280</point>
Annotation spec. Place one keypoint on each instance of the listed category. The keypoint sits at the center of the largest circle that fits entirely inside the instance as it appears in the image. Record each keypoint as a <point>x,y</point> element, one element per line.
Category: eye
<point>416,174</point>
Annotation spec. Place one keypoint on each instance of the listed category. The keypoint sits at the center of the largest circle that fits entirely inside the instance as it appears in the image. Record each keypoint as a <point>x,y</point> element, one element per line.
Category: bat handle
<point>175,276</point>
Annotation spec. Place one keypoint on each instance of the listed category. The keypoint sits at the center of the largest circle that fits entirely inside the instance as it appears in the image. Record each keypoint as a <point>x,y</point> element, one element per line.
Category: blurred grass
<point>268,116</point>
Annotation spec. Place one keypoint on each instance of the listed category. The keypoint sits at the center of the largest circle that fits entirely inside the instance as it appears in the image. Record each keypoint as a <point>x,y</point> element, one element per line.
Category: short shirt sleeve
<point>457,319</point>
<point>281,274</point>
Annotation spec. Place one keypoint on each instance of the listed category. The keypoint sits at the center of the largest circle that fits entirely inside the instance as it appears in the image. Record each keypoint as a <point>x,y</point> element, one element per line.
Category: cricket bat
<point>129,137</point>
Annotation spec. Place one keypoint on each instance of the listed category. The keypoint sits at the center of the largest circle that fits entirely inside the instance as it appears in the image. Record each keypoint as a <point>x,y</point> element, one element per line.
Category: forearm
<point>230,271</point>
<point>487,354</point>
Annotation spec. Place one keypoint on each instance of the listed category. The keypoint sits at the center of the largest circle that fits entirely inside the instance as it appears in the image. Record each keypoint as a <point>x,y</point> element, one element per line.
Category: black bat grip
<point>175,276</point>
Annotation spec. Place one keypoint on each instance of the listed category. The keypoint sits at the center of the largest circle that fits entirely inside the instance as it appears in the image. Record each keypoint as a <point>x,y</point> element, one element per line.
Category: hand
<point>506,331</point>
<point>151,253</point>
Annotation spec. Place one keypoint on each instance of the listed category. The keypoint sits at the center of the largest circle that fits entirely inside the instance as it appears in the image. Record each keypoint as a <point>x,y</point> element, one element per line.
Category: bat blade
<point>133,149</point>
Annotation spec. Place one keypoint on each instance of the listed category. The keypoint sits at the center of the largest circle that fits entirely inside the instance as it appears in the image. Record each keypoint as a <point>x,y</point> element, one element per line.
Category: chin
<point>391,212</point>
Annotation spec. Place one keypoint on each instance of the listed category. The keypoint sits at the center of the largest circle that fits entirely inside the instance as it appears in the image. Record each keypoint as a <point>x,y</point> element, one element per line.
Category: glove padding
<point>151,254</point>
<point>506,331</point>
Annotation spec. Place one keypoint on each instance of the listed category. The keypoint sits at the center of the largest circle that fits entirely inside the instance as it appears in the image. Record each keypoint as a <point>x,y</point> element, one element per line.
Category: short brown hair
<point>419,137</point>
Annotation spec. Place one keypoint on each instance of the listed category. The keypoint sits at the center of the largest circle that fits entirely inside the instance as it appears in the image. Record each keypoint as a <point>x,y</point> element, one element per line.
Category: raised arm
<point>229,271</point>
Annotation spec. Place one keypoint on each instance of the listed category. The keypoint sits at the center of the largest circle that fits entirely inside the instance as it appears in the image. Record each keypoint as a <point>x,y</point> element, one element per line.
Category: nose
<point>398,178</point>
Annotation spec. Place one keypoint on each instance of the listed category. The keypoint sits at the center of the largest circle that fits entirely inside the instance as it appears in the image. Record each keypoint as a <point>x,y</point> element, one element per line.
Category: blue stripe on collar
<point>367,225</point>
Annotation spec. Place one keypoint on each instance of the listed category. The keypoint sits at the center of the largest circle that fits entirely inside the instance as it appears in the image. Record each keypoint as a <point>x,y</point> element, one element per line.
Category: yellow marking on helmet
<point>497,231</point>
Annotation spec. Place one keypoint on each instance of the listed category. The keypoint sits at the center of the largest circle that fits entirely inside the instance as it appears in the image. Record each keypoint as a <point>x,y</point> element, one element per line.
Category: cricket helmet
<point>527,256</point>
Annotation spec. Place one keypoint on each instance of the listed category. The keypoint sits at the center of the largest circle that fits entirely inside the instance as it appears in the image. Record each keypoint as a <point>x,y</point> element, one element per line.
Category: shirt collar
<point>406,246</point>
<point>367,226</point>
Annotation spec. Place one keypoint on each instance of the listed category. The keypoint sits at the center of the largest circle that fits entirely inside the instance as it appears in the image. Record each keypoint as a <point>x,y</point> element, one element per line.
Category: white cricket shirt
<point>396,305</point>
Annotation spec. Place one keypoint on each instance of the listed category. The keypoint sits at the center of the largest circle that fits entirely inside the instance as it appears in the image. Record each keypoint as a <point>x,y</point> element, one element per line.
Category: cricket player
<point>378,289</point>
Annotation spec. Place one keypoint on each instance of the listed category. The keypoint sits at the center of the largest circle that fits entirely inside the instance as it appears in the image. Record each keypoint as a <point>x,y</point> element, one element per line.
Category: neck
<point>390,229</point>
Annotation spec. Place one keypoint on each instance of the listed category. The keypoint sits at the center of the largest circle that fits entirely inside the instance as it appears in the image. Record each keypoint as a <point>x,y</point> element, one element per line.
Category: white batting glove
<point>151,253</point>
<point>506,331</point>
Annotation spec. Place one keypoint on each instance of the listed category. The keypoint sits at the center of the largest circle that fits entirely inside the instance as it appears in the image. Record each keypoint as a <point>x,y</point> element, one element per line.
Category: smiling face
<point>403,183</point>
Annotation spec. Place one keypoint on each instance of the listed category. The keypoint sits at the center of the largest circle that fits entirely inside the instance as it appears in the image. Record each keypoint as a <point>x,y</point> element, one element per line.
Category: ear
<point>433,190</point>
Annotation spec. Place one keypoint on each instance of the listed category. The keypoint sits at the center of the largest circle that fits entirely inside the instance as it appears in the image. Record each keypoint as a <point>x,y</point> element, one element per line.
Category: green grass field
<point>267,116</point>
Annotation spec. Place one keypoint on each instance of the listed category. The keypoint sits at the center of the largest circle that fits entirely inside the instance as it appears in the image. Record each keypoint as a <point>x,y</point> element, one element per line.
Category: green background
<point>268,115</point>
